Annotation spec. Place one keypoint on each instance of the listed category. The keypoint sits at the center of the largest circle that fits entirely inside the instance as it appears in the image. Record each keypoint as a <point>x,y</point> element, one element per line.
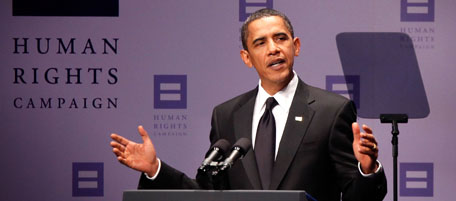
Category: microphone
<point>216,152</point>
<point>240,148</point>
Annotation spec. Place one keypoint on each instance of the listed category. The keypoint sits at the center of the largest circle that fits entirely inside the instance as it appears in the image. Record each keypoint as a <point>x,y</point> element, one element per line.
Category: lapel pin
<point>297,118</point>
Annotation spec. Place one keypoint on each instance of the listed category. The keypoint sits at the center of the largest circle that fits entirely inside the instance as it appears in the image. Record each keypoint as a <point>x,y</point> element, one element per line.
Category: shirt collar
<point>284,97</point>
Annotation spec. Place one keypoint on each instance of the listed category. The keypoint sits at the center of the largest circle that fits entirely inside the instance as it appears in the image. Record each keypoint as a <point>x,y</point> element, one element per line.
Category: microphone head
<point>222,145</point>
<point>243,145</point>
<point>240,148</point>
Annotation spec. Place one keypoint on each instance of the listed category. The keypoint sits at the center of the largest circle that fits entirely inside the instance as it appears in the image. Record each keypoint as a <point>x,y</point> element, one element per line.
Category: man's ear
<point>245,56</point>
<point>297,46</point>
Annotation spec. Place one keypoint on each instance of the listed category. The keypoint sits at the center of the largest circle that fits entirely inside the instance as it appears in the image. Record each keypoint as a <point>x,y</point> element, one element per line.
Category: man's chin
<point>283,77</point>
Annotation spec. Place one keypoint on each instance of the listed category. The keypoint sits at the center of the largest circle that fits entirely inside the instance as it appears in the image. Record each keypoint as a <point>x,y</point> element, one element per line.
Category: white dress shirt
<point>284,98</point>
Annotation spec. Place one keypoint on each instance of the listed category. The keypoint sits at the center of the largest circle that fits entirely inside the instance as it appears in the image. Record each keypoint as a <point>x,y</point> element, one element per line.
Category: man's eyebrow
<point>280,34</point>
<point>258,39</point>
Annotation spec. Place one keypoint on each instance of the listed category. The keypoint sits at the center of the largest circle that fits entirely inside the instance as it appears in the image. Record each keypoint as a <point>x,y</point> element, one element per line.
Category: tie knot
<point>271,103</point>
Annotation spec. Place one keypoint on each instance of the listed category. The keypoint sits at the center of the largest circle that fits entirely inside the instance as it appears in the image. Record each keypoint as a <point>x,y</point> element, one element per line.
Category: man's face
<point>271,50</point>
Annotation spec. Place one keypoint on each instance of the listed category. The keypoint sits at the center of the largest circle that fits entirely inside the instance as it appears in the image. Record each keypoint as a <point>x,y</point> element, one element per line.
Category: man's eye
<point>259,43</point>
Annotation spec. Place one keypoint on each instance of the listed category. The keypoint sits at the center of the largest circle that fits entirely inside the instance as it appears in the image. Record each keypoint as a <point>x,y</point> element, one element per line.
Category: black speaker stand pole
<point>394,119</point>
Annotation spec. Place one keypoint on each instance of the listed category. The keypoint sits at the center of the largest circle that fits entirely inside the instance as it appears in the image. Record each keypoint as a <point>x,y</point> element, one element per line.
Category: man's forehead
<point>267,23</point>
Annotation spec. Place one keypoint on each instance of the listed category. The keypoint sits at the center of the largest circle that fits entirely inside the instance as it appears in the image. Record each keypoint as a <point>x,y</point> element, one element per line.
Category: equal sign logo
<point>345,85</point>
<point>170,91</point>
<point>247,8</point>
<point>417,10</point>
<point>88,179</point>
<point>417,179</point>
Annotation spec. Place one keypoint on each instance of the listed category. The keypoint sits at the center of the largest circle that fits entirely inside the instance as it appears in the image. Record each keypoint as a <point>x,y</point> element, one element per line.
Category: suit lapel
<point>299,118</point>
<point>243,128</point>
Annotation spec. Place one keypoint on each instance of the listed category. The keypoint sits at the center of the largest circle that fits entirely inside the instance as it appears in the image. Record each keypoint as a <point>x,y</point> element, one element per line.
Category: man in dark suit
<point>315,144</point>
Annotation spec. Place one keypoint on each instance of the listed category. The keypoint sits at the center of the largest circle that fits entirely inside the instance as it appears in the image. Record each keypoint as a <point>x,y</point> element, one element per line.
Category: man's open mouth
<point>276,62</point>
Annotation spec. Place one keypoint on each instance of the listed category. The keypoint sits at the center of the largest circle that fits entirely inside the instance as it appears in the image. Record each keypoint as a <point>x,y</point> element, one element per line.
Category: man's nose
<point>273,48</point>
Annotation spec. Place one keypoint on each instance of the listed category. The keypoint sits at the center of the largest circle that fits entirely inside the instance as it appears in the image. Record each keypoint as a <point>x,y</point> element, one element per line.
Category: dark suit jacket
<point>315,154</point>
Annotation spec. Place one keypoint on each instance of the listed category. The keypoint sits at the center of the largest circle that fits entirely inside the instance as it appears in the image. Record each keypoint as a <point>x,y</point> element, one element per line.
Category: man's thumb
<point>356,130</point>
<point>143,133</point>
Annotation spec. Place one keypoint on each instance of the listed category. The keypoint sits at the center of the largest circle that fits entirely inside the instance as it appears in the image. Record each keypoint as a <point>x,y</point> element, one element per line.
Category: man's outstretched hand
<point>140,157</point>
<point>365,148</point>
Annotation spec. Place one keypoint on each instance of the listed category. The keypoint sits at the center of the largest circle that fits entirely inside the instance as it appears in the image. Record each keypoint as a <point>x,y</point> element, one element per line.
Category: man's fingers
<point>369,145</point>
<point>368,137</point>
<point>123,161</point>
<point>365,136</point>
<point>143,133</point>
<point>368,151</point>
<point>123,141</point>
<point>118,153</point>
<point>117,145</point>
<point>367,129</point>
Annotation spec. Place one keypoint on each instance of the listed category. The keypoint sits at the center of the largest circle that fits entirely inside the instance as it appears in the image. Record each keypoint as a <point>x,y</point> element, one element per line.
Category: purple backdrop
<point>44,141</point>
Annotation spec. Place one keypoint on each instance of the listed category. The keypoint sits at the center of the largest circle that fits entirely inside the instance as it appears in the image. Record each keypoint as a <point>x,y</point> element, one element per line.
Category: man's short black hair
<point>265,12</point>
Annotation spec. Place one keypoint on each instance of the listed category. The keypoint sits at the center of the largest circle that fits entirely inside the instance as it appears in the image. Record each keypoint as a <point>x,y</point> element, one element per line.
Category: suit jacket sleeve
<point>168,178</point>
<point>353,185</point>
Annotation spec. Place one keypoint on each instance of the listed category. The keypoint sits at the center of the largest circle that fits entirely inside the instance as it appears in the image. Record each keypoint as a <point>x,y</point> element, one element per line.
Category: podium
<point>214,195</point>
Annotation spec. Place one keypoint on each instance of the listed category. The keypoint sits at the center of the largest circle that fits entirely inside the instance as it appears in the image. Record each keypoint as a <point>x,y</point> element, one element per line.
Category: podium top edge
<point>199,190</point>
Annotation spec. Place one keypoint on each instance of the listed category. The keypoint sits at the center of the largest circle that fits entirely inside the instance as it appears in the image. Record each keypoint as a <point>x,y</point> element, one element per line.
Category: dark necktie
<point>265,143</point>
